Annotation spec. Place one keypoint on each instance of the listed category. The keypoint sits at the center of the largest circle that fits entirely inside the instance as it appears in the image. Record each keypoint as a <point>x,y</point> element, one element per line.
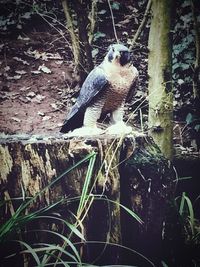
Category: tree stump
<point>129,170</point>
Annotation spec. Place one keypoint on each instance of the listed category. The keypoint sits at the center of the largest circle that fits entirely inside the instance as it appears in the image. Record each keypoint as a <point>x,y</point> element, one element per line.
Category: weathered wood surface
<point>130,170</point>
<point>149,181</point>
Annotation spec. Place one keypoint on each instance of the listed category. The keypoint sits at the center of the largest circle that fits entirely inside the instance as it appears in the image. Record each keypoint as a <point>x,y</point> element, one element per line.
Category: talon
<point>119,128</point>
<point>85,131</point>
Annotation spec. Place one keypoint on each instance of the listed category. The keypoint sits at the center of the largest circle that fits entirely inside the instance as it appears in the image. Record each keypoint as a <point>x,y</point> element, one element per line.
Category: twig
<point>93,18</point>
<point>113,22</point>
<point>139,30</point>
<point>59,32</point>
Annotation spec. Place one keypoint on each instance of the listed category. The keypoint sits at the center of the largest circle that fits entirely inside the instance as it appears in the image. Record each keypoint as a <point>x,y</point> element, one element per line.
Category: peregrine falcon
<point>105,90</point>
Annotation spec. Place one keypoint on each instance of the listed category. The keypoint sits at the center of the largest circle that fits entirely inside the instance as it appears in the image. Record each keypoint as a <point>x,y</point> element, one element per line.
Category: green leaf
<point>84,194</point>
<point>184,66</point>
<point>164,264</point>
<point>101,12</point>
<point>26,15</point>
<point>68,242</point>
<point>176,66</point>
<point>98,35</point>
<point>189,118</point>
<point>31,251</point>
<point>18,219</point>
<point>129,211</point>
<point>182,204</point>
<point>197,127</point>
<point>184,178</point>
<point>95,51</point>
<point>71,226</point>
<point>191,213</point>
<point>189,55</point>
<point>43,247</point>
<point>115,5</point>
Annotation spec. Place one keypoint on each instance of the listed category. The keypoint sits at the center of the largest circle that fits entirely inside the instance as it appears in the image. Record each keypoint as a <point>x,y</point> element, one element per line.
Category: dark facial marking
<point>125,57</point>
<point>110,56</point>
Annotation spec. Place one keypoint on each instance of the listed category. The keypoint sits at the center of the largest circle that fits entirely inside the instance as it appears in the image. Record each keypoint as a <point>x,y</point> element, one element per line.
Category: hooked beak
<point>117,55</point>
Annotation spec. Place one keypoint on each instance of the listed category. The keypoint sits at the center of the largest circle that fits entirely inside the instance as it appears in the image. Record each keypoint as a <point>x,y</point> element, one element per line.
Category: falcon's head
<point>119,53</point>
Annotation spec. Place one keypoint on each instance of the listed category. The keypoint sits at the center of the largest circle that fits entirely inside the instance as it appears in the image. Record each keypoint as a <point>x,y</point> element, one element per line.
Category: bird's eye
<point>113,49</point>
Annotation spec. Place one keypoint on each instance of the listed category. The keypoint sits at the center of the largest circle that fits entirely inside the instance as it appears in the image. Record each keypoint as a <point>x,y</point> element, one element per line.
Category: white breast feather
<point>119,76</point>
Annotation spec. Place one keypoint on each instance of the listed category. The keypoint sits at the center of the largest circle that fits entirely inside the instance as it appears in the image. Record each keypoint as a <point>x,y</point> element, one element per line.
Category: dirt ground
<point>35,80</point>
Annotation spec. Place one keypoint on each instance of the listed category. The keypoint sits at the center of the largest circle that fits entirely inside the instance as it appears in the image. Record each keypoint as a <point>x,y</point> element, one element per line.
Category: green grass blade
<point>48,247</point>
<point>58,260</point>
<point>31,251</point>
<point>191,212</point>
<point>130,212</point>
<point>184,178</point>
<point>164,264</point>
<point>181,208</point>
<point>71,245</point>
<point>57,179</point>
<point>17,220</point>
<point>84,193</point>
<point>51,255</point>
<point>69,225</point>
<point>10,225</point>
<point>104,198</point>
<point>120,246</point>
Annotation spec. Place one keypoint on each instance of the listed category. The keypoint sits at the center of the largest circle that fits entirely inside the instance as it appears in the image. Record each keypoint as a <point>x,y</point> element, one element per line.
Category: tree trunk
<point>132,167</point>
<point>196,79</point>
<point>159,70</point>
<point>147,187</point>
<point>81,48</point>
<point>73,36</point>
<point>86,62</point>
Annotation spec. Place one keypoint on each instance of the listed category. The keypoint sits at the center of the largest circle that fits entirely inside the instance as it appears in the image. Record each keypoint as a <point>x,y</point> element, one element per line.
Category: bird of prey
<point>105,90</point>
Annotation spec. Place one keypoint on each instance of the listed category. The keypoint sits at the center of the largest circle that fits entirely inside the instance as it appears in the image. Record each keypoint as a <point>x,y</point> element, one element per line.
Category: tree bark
<point>85,57</point>
<point>159,70</point>
<point>132,167</point>
<point>147,187</point>
<point>73,36</point>
<point>80,42</point>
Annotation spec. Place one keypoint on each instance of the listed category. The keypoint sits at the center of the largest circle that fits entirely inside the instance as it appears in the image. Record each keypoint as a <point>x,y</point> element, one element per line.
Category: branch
<point>113,22</point>
<point>86,62</point>
<point>93,18</point>
<point>75,44</point>
<point>139,30</point>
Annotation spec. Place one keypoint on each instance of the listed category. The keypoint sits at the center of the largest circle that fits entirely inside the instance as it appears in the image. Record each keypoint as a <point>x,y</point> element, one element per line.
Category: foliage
<point>115,5</point>
<point>183,55</point>
<point>98,35</point>
<point>193,119</point>
<point>190,223</point>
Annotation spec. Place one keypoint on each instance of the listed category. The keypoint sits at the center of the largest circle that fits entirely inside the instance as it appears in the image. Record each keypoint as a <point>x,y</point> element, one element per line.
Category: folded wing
<point>94,84</point>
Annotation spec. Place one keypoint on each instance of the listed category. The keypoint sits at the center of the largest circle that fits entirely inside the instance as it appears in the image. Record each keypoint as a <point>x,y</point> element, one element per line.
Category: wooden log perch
<point>130,171</point>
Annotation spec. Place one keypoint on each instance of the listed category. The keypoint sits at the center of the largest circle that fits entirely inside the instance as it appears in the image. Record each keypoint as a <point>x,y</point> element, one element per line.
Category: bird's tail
<point>76,121</point>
